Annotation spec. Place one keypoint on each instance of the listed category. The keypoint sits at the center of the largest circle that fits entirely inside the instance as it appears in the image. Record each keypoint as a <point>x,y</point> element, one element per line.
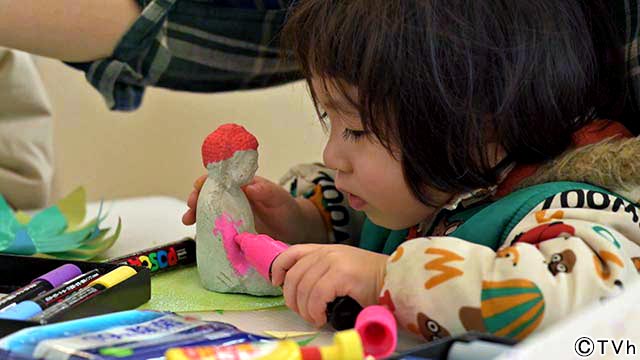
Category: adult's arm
<point>190,45</point>
<point>69,30</point>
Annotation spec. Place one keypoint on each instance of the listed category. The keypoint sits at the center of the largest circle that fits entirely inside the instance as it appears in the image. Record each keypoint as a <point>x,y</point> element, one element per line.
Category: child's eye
<point>353,135</point>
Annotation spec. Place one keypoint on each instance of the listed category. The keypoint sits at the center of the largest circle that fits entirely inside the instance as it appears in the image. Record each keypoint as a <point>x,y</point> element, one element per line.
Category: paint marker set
<point>147,335</point>
<point>133,334</point>
<point>42,291</point>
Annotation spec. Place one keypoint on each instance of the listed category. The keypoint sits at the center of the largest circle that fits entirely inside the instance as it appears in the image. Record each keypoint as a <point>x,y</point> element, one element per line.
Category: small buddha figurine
<point>230,155</point>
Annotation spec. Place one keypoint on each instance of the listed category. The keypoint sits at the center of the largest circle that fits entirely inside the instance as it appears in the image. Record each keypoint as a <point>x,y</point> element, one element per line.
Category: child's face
<point>367,173</point>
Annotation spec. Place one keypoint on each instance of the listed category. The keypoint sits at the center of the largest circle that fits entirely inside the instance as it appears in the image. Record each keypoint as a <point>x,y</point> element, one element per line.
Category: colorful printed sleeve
<point>315,182</point>
<point>572,249</point>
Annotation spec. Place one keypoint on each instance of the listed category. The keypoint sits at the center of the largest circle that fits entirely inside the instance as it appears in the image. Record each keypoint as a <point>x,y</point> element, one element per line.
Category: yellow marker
<point>288,334</point>
<point>114,277</point>
<point>94,288</point>
<point>346,346</point>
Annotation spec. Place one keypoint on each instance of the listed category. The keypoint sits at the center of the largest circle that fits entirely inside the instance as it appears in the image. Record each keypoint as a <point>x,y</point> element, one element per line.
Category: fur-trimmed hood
<point>613,164</point>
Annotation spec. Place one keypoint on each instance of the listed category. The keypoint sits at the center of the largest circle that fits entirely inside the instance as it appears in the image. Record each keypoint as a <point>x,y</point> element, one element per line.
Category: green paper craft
<point>90,248</point>
<point>308,341</point>
<point>22,217</point>
<point>73,208</point>
<point>55,232</point>
<point>181,291</point>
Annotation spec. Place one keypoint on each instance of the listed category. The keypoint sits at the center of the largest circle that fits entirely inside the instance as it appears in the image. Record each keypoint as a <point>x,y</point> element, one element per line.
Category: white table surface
<point>153,221</point>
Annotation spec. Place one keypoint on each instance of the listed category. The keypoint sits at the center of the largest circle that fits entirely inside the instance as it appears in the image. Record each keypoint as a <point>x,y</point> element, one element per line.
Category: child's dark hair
<point>442,78</point>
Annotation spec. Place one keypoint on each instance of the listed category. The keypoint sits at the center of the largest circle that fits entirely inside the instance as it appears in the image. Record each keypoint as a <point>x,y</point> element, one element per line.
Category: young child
<point>485,190</point>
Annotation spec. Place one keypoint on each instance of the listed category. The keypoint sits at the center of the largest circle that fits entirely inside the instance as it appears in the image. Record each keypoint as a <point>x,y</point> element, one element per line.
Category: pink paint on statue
<point>227,228</point>
<point>225,141</point>
<point>260,250</point>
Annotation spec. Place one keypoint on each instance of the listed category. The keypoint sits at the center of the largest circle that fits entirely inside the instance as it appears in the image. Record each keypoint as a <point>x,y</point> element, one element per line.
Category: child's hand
<point>189,218</point>
<point>314,275</point>
<point>276,212</point>
<point>281,216</point>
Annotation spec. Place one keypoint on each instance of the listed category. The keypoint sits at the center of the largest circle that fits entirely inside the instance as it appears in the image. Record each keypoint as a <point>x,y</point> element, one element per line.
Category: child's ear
<point>495,154</point>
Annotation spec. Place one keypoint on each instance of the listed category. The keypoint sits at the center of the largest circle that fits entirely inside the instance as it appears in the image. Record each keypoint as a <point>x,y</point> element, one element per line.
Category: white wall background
<point>156,149</point>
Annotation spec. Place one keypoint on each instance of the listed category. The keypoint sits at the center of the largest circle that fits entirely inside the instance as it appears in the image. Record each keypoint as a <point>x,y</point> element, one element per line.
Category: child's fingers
<point>292,279</point>
<point>315,270</point>
<point>290,289</point>
<point>321,294</point>
<point>199,182</point>
<point>189,218</point>
<point>192,201</point>
<point>266,194</point>
<point>254,181</point>
<point>287,259</point>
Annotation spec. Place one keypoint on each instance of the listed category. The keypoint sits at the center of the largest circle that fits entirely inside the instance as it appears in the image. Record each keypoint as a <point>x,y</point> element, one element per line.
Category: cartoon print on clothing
<point>471,319</point>
<point>440,264</point>
<point>541,216</point>
<point>545,232</point>
<point>605,257</point>
<point>602,231</point>
<point>315,195</point>
<point>619,289</point>
<point>430,329</point>
<point>386,300</point>
<point>511,253</point>
<point>593,200</point>
<point>562,262</point>
<point>636,263</point>
<point>326,197</point>
<point>511,308</point>
<point>397,254</point>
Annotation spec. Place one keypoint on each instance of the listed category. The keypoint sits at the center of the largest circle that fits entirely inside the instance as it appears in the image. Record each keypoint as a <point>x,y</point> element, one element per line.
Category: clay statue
<point>230,154</point>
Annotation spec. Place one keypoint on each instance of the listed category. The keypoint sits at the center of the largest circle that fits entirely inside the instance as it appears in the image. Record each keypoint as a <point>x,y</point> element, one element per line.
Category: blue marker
<point>25,341</point>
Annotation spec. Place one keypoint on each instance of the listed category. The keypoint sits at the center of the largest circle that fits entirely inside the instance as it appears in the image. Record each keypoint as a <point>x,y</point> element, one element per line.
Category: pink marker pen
<point>378,331</point>
<point>261,250</point>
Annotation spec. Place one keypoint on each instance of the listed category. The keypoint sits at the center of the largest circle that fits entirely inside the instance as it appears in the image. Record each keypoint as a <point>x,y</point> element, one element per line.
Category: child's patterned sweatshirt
<point>513,259</point>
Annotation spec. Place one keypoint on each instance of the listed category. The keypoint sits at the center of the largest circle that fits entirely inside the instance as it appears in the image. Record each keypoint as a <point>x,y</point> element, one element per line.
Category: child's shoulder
<point>491,224</point>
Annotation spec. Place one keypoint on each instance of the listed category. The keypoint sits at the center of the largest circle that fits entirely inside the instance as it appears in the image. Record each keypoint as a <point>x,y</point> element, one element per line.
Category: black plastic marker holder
<point>17,271</point>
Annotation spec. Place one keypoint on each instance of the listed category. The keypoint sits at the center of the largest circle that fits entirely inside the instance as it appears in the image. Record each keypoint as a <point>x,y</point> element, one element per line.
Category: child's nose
<point>334,157</point>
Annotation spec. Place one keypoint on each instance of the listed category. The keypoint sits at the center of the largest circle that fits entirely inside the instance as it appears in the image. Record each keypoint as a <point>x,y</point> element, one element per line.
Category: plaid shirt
<point>222,45</point>
<point>628,14</point>
<point>194,45</point>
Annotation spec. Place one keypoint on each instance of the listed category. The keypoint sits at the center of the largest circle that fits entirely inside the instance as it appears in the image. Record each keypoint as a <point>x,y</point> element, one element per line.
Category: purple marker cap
<point>60,275</point>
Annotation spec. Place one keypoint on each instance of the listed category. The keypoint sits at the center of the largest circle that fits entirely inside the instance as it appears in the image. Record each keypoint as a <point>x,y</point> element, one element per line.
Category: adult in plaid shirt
<point>124,46</point>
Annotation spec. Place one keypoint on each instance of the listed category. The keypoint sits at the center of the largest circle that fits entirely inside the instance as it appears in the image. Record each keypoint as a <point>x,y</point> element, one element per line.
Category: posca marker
<point>260,251</point>
<point>161,258</point>
<point>29,308</point>
<point>96,287</point>
<point>378,331</point>
<point>41,284</point>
